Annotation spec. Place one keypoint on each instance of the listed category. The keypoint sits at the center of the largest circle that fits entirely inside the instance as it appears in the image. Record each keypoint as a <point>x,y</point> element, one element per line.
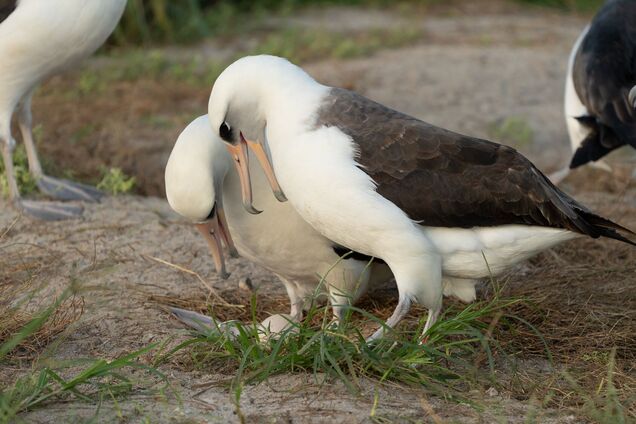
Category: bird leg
<point>340,303</point>
<point>402,308</point>
<point>558,176</point>
<point>296,301</point>
<point>8,145</point>
<point>59,189</point>
<point>41,210</point>
<point>433,314</point>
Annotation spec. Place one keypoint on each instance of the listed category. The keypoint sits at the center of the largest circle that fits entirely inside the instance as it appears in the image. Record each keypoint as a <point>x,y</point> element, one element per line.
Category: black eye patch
<point>225,132</point>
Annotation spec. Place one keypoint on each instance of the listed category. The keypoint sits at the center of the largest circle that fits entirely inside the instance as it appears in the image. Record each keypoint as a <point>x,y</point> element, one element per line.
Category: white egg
<point>274,325</point>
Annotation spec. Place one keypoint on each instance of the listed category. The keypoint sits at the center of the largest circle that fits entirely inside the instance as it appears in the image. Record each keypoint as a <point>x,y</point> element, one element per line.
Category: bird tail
<point>603,227</point>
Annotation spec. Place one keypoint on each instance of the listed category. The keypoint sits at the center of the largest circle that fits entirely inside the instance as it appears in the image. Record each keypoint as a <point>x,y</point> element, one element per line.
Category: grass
<point>513,131</point>
<point>605,404</point>
<point>465,348</point>
<point>445,365</point>
<point>26,182</point>
<point>161,21</point>
<point>115,182</point>
<point>571,5</point>
<point>304,45</point>
<point>297,45</point>
<point>84,379</point>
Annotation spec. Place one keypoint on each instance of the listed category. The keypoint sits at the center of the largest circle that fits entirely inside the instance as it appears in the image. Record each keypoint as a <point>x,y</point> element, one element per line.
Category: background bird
<point>38,39</point>
<point>431,203</point>
<point>600,92</point>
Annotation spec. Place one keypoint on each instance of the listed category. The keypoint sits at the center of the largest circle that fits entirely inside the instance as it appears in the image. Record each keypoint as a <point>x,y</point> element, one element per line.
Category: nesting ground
<point>494,71</point>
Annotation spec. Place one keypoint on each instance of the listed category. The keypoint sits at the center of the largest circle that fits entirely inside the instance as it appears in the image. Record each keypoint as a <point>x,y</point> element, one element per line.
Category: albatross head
<point>243,96</point>
<point>194,179</point>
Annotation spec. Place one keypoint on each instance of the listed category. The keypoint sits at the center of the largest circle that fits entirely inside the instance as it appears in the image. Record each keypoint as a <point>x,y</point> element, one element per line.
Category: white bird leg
<point>42,210</point>
<point>433,314</point>
<point>558,176</point>
<point>340,302</point>
<point>8,145</point>
<point>59,189</point>
<point>296,301</point>
<point>402,308</point>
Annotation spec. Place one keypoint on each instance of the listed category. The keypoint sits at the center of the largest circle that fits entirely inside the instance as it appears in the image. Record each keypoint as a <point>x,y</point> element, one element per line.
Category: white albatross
<point>38,39</point>
<point>202,186</point>
<point>429,202</point>
<point>600,88</point>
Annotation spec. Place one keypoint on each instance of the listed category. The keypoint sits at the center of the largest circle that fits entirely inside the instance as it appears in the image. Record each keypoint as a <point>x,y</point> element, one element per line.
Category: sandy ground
<point>472,71</point>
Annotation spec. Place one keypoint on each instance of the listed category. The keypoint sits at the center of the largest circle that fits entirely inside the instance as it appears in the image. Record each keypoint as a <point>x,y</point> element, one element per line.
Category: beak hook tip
<point>280,196</point>
<point>251,209</point>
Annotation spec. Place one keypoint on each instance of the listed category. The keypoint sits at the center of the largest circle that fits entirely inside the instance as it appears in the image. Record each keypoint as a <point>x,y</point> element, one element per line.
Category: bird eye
<point>225,131</point>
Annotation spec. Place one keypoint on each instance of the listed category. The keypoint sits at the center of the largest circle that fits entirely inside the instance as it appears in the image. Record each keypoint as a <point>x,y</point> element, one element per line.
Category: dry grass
<point>13,322</point>
<point>579,308</point>
<point>20,282</point>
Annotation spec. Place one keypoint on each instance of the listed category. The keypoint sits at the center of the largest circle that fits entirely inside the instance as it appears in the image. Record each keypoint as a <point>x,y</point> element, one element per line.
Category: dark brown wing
<point>441,178</point>
<point>6,8</point>
<point>603,74</point>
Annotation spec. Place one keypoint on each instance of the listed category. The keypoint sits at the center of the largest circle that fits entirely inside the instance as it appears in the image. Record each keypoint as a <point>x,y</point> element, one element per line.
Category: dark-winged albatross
<point>202,186</point>
<point>37,39</point>
<point>600,91</point>
<point>429,202</point>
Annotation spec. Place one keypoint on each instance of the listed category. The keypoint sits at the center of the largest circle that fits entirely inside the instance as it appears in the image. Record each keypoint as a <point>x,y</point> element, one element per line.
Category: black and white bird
<point>201,185</point>
<point>38,39</point>
<point>600,90</point>
<point>433,204</point>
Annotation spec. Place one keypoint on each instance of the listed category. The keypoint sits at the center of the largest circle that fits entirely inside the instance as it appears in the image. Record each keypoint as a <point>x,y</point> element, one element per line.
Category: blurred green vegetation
<point>114,181</point>
<point>573,5</point>
<point>160,21</point>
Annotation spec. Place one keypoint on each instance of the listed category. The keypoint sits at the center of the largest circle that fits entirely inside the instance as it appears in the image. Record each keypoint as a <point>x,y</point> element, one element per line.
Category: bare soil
<point>474,69</point>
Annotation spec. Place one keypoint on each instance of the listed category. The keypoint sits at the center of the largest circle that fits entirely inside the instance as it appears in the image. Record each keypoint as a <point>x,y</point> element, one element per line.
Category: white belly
<point>480,252</point>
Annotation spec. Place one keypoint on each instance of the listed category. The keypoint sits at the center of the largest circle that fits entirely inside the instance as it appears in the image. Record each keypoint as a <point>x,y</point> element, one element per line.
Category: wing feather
<point>441,178</point>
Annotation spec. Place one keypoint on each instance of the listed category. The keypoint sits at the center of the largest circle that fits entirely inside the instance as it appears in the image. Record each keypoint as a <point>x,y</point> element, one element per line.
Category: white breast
<point>278,238</point>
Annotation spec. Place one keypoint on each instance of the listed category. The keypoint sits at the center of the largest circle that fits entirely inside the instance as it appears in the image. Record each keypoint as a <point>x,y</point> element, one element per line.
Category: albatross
<point>202,186</point>
<point>38,39</point>
<point>434,205</point>
<point>600,89</point>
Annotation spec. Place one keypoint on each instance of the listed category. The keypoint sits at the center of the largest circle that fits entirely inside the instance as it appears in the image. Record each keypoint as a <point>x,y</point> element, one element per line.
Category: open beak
<point>239,153</point>
<point>263,159</point>
<point>216,232</point>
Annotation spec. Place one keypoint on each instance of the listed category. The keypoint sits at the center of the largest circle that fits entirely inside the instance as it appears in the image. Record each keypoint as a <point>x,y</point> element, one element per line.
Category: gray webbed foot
<point>61,189</point>
<point>50,211</point>
<point>203,323</point>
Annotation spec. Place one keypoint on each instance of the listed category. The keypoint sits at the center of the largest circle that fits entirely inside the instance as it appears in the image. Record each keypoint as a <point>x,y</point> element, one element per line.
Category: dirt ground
<point>474,70</point>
